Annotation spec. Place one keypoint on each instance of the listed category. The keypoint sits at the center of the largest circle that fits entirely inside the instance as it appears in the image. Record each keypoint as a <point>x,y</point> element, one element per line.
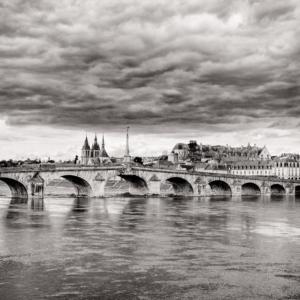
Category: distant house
<point>264,153</point>
<point>181,150</point>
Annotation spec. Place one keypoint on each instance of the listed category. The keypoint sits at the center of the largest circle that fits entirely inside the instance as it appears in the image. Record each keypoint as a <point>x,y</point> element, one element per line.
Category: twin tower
<point>94,155</point>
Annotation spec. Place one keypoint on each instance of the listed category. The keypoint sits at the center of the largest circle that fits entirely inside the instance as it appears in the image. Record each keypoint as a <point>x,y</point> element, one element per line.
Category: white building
<point>252,168</point>
<point>281,169</point>
<point>287,169</point>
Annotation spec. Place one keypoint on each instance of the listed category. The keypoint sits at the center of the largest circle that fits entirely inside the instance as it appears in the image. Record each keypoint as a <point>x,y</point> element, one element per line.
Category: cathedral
<point>94,155</point>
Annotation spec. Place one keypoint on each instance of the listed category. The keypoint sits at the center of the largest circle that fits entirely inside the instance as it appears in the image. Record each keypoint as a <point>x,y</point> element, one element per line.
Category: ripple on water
<point>155,248</point>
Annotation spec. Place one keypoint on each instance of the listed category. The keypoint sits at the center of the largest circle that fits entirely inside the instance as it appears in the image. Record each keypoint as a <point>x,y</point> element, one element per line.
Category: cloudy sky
<point>218,71</point>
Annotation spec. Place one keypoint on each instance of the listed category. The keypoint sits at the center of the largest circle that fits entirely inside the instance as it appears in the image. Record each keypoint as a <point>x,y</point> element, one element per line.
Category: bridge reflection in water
<point>217,247</point>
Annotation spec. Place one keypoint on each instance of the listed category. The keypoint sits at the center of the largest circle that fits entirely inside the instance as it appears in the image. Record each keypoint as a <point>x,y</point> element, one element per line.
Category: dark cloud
<point>217,64</point>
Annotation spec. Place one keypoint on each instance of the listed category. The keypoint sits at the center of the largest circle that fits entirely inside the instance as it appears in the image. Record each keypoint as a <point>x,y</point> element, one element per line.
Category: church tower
<point>95,152</point>
<point>103,153</point>
<point>85,152</point>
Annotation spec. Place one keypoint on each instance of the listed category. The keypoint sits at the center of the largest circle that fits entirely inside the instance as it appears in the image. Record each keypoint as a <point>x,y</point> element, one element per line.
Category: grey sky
<point>221,71</point>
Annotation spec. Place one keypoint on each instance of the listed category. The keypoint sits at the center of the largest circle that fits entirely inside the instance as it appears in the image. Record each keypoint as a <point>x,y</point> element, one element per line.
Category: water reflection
<point>38,216</point>
<point>251,198</point>
<point>17,208</point>
<point>150,248</point>
<point>215,198</point>
<point>79,211</point>
<point>37,204</point>
<point>21,215</point>
<point>133,213</point>
<point>278,197</point>
<point>81,204</point>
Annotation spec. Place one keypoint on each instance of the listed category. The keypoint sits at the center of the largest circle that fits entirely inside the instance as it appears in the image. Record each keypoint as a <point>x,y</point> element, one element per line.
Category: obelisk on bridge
<point>127,158</point>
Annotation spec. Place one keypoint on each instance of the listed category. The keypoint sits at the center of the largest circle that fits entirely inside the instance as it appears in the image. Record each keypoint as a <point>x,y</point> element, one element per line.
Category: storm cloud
<point>216,65</point>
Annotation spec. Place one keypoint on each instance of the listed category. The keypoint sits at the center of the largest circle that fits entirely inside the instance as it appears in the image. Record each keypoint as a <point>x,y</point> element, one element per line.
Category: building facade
<point>252,168</point>
<point>278,168</point>
<point>287,169</point>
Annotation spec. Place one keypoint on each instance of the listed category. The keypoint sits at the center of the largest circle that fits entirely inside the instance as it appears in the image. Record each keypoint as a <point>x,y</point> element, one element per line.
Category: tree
<point>76,159</point>
<point>194,151</point>
<point>138,160</point>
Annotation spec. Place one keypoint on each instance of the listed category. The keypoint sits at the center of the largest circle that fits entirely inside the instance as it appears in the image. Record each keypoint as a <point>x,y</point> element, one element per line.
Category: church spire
<point>127,143</point>
<point>127,155</point>
<point>85,151</point>
<point>86,145</point>
<point>103,144</point>
<point>103,152</point>
<point>95,145</point>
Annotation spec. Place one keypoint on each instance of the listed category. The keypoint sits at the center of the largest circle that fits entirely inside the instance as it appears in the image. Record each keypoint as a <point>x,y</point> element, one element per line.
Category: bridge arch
<point>220,188</point>
<point>138,185</point>
<point>277,189</point>
<point>17,188</point>
<point>250,188</point>
<point>180,186</point>
<point>82,187</point>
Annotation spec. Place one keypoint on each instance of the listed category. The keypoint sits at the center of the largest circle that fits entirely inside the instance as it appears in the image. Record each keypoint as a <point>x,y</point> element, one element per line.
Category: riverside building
<point>244,160</point>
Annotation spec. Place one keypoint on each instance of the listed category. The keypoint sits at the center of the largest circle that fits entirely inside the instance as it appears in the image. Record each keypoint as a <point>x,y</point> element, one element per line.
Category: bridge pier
<point>36,190</point>
<point>97,188</point>
<point>290,189</point>
<point>266,191</point>
<point>36,186</point>
<point>199,189</point>
<point>236,190</point>
<point>154,187</point>
<point>97,184</point>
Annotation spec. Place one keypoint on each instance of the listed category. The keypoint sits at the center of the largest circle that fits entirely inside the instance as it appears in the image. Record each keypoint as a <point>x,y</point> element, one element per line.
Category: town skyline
<point>115,143</point>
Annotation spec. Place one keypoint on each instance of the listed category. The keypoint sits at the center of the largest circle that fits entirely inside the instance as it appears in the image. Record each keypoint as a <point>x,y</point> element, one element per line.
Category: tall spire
<point>127,142</point>
<point>85,151</point>
<point>103,152</point>
<point>127,158</point>
<point>103,144</point>
<point>86,145</point>
<point>95,145</point>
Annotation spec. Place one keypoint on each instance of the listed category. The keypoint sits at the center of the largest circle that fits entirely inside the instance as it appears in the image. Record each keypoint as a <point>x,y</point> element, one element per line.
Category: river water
<point>150,248</point>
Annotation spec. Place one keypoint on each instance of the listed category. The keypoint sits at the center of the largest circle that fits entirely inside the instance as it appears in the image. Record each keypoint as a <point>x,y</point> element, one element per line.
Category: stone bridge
<point>91,181</point>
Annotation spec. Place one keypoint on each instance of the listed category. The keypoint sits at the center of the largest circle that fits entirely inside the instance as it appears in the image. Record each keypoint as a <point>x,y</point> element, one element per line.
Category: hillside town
<point>244,160</point>
<point>250,160</point>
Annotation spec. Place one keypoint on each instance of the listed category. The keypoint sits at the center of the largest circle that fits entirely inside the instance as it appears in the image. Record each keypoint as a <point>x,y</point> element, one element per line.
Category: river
<point>150,248</point>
